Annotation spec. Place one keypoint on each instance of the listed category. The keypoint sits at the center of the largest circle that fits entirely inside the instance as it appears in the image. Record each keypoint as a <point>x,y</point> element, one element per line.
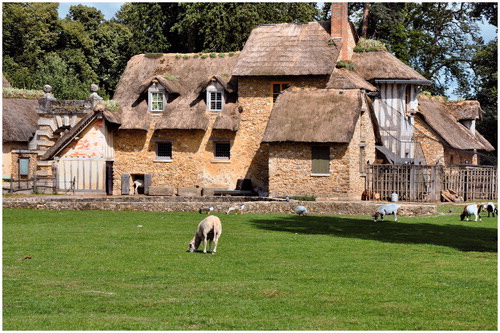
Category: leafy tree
<point>223,27</point>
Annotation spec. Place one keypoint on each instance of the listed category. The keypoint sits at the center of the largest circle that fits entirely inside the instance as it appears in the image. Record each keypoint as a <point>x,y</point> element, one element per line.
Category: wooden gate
<point>81,174</point>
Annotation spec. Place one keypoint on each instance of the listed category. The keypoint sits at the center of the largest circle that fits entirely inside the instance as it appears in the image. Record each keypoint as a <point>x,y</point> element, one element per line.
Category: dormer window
<point>156,98</point>
<point>215,97</point>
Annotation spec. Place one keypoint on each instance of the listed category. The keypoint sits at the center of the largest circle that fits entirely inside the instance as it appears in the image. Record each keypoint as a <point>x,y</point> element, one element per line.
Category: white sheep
<point>301,210</point>
<point>210,228</point>
<point>236,209</point>
<point>386,209</point>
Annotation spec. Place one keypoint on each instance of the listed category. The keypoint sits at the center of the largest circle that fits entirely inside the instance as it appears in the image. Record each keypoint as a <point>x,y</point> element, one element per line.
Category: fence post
<point>11,187</point>
<point>34,183</point>
<point>413,184</point>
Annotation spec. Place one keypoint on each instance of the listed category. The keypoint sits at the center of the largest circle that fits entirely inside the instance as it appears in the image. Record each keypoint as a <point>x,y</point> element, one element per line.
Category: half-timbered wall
<point>394,112</point>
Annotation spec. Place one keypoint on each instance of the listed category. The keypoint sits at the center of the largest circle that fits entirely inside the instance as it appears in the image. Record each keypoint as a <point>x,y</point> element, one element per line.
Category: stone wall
<point>193,161</point>
<point>220,204</point>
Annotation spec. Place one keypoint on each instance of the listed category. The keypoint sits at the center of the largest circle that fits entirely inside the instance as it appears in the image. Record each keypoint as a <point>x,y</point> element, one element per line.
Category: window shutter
<point>320,159</point>
<point>24,166</point>
<point>125,184</point>
<point>147,183</point>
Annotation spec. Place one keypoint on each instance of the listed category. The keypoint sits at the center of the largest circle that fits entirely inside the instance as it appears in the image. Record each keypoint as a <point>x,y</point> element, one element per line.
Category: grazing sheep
<point>236,209</point>
<point>386,209</point>
<point>471,210</point>
<point>210,228</point>
<point>206,209</point>
<point>490,208</point>
<point>301,210</point>
<point>138,183</point>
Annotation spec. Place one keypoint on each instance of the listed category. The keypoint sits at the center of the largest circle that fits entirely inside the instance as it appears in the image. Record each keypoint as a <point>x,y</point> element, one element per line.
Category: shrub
<point>22,93</point>
<point>213,55</point>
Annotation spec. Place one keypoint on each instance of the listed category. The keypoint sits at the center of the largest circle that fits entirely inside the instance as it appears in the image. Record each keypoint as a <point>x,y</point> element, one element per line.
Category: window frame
<point>216,88</point>
<point>156,89</point>
<point>274,95</point>
<point>222,158</point>
<point>316,170</point>
<point>157,151</point>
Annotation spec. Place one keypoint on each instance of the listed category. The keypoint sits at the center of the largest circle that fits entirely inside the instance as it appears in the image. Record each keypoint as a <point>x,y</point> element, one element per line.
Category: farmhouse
<point>301,110</point>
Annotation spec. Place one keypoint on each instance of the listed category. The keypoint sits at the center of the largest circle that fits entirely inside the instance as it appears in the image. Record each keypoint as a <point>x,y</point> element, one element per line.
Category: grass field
<point>102,270</point>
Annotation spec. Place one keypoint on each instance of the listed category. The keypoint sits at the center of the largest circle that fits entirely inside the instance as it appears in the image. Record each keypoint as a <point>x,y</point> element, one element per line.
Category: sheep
<point>206,209</point>
<point>138,183</point>
<point>210,228</point>
<point>471,210</point>
<point>386,209</point>
<point>490,208</point>
<point>301,210</point>
<point>236,209</point>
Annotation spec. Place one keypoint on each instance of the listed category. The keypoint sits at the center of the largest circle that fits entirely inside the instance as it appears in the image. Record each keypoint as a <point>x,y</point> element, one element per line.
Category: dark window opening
<point>222,150</point>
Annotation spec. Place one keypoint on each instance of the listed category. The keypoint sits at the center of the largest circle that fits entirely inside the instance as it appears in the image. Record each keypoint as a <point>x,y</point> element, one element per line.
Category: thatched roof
<point>5,82</point>
<point>229,117</point>
<point>437,114</point>
<point>318,115</point>
<point>342,78</point>
<point>19,119</point>
<point>465,110</point>
<point>289,49</point>
<point>183,76</point>
<point>383,65</point>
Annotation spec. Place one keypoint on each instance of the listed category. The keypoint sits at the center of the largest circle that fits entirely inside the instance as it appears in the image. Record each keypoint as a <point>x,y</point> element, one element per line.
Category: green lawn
<point>99,270</point>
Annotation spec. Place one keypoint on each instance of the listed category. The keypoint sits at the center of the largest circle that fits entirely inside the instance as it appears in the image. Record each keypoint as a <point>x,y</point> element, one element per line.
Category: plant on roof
<point>231,54</point>
<point>196,56</point>
<point>111,105</point>
<point>367,45</point>
<point>222,55</point>
<point>21,93</point>
<point>347,64</point>
<point>205,56</point>
<point>213,55</point>
<point>178,56</point>
<point>186,56</point>
<point>170,77</point>
<point>153,55</point>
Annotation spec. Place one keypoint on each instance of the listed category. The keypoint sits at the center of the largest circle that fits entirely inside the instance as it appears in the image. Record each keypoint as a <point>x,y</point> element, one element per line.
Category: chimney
<point>340,26</point>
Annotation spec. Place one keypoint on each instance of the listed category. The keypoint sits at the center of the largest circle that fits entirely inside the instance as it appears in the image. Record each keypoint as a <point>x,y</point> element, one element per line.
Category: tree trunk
<point>364,26</point>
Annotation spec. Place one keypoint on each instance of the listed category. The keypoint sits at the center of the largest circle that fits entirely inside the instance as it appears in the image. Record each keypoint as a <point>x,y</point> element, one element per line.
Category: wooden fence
<point>424,183</point>
<point>34,185</point>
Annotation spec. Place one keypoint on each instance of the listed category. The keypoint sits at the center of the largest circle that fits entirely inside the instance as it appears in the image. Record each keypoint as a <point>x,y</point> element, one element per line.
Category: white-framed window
<point>215,97</point>
<point>156,98</point>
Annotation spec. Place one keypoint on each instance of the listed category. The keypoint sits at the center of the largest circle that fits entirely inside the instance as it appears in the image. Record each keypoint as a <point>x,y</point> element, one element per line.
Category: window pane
<point>24,166</point>
<point>164,149</point>
<point>222,150</point>
<point>215,103</point>
<point>321,159</point>
<point>156,101</point>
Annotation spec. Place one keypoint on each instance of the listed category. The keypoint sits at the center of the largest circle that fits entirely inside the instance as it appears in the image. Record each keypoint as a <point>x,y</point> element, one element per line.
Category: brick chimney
<point>340,26</point>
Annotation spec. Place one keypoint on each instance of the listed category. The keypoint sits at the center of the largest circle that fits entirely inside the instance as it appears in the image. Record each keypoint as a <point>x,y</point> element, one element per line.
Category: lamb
<point>471,210</point>
<point>386,209</point>
<point>490,208</point>
<point>236,209</point>
<point>210,228</point>
<point>138,183</point>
